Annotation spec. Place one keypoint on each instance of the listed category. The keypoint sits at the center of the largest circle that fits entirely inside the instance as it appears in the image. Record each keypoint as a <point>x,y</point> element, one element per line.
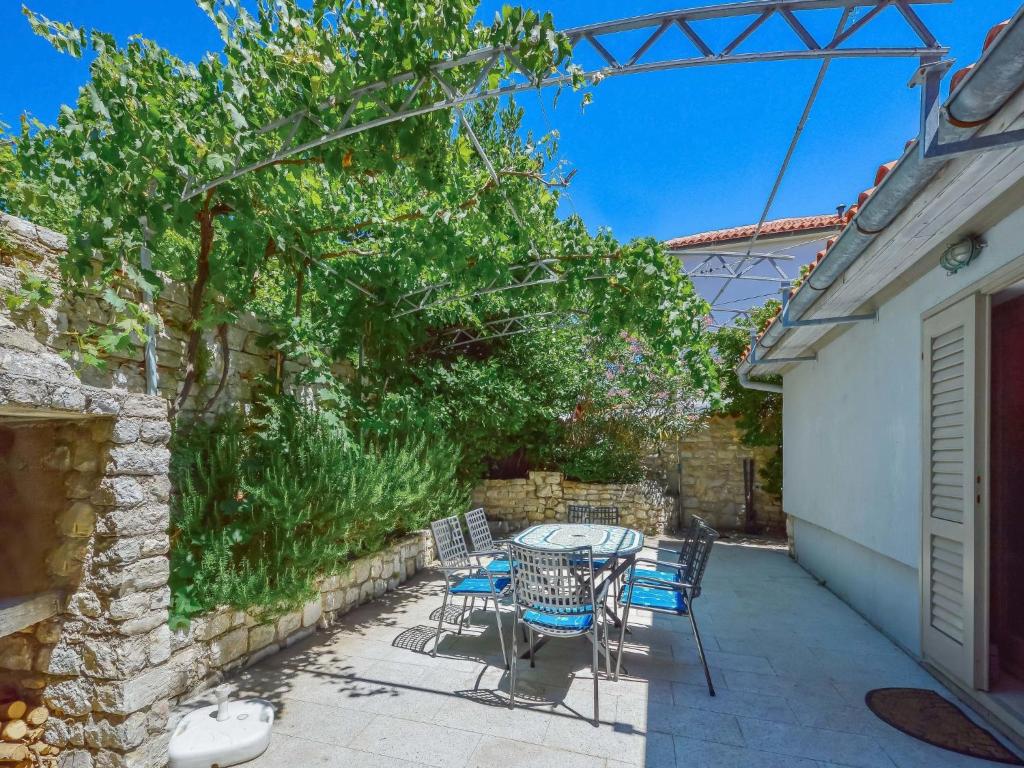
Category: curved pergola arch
<point>420,94</point>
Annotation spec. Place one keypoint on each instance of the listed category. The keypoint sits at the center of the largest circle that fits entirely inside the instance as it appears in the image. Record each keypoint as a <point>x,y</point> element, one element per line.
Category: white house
<point>740,267</point>
<point>904,430</point>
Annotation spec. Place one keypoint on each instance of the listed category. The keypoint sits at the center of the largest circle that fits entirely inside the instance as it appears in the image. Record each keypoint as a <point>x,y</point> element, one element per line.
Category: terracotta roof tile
<point>775,227</point>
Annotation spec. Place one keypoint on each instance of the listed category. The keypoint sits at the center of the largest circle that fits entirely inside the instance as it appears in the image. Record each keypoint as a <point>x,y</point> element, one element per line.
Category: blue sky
<point>661,154</point>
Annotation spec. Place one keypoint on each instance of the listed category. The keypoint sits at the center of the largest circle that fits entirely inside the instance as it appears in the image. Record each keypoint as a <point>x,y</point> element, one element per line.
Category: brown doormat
<point>927,716</point>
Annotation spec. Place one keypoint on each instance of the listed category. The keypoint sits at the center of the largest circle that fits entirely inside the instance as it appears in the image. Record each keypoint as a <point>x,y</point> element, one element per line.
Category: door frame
<point>985,287</point>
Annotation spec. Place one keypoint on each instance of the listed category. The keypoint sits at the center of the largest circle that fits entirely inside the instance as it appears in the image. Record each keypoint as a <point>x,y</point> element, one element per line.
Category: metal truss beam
<point>504,327</point>
<point>532,273</point>
<point>538,272</point>
<point>736,266</point>
<point>459,81</point>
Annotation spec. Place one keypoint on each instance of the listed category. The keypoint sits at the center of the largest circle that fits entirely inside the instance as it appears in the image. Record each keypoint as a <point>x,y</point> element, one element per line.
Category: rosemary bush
<point>266,503</point>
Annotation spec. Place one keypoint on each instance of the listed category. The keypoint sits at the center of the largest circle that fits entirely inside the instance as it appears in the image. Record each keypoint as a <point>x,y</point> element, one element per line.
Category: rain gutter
<point>997,76</point>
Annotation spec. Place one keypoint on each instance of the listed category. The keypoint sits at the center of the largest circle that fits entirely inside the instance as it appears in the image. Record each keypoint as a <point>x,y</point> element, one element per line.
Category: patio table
<point>618,546</point>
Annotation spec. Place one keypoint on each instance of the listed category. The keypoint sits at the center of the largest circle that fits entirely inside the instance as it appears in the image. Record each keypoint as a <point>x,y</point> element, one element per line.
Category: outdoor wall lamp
<point>961,253</point>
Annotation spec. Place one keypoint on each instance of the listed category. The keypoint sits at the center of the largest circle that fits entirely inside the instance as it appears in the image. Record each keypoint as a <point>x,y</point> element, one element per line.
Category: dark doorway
<point>1007,493</point>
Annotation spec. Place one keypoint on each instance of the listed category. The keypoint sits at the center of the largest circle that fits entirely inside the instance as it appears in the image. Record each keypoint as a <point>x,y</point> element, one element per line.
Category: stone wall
<point>100,662</point>
<point>227,639</point>
<point>712,476</point>
<point>543,496</point>
<point>24,245</point>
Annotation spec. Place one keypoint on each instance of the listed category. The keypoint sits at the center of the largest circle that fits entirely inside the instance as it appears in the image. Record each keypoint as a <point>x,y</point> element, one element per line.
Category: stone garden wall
<point>227,639</point>
<point>544,497</point>
<point>84,512</point>
<point>26,246</point>
<point>712,476</point>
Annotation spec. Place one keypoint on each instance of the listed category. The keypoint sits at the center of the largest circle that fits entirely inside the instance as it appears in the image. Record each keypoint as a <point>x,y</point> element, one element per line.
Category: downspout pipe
<point>993,81</point>
<point>747,383</point>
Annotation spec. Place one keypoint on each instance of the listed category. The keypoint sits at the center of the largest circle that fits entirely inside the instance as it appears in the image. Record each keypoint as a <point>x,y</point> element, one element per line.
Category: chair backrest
<point>697,559</point>
<point>584,513</point>
<point>450,543</point>
<point>479,530</point>
<point>689,536</point>
<point>552,582</point>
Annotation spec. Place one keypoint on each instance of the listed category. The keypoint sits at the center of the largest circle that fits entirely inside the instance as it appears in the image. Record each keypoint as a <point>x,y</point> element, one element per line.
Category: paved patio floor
<point>791,663</point>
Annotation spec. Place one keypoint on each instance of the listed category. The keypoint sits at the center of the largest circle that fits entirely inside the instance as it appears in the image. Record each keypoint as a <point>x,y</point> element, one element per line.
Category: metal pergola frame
<point>526,275</point>
<point>411,94</point>
<point>505,326</point>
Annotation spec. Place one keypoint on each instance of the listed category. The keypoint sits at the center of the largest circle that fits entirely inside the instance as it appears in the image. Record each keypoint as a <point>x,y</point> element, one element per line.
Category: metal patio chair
<point>686,544</point>
<point>646,590</point>
<point>464,578</point>
<point>554,596</point>
<point>584,513</point>
<point>587,515</point>
<point>484,545</point>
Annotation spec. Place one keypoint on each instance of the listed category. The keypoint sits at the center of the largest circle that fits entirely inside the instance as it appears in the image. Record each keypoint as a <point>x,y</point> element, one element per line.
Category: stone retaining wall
<point>544,496</point>
<point>227,639</point>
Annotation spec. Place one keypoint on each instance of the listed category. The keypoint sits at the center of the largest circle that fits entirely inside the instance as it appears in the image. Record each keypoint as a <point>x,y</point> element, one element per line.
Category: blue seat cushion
<point>654,599</point>
<point>577,621</point>
<point>498,566</point>
<point>642,573</point>
<point>478,585</point>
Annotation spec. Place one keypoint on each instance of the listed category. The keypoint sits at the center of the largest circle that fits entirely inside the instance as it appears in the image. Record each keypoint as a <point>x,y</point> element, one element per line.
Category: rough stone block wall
<point>712,476</point>
<point>24,245</point>
<point>515,504</point>
<point>227,639</point>
<point>99,664</point>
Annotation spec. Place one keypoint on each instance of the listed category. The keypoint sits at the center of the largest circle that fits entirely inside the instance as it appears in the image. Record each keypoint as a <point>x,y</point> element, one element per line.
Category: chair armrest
<point>653,583</point>
<point>661,563</point>
<point>490,553</point>
<point>469,570</point>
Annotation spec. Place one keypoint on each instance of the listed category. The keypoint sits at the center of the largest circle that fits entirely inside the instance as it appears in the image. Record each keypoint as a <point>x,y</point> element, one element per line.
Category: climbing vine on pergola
<point>394,205</point>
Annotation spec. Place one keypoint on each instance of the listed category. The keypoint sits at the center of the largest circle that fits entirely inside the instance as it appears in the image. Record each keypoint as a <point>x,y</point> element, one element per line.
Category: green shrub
<point>266,503</point>
<point>602,450</point>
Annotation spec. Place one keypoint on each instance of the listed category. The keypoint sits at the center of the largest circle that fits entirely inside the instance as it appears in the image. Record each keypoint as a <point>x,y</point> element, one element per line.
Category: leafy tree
<point>759,413</point>
<point>324,246</point>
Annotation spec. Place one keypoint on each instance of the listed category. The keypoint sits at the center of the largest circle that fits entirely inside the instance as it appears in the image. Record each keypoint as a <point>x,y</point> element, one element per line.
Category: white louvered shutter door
<point>950,348</point>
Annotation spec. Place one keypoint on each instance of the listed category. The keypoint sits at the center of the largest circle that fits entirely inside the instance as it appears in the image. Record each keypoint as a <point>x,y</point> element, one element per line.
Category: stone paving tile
<point>305,753</point>
<point>305,719</point>
<point>487,713</point>
<point>814,744</point>
<point>791,665</point>
<point>730,702</point>
<point>493,752</point>
<point>713,726</point>
<point>417,742</point>
<point>658,753</point>
<point>695,753</point>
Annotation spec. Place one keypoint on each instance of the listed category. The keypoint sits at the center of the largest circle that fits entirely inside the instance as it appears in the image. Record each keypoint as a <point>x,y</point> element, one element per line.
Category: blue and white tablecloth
<point>607,540</point>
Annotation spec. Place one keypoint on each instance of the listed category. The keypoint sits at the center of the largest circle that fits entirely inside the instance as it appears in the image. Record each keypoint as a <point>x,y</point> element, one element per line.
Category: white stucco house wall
<point>892,424</point>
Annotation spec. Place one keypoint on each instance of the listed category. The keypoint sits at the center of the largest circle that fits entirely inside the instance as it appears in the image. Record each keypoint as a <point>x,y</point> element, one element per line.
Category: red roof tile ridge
<point>773,227</point>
